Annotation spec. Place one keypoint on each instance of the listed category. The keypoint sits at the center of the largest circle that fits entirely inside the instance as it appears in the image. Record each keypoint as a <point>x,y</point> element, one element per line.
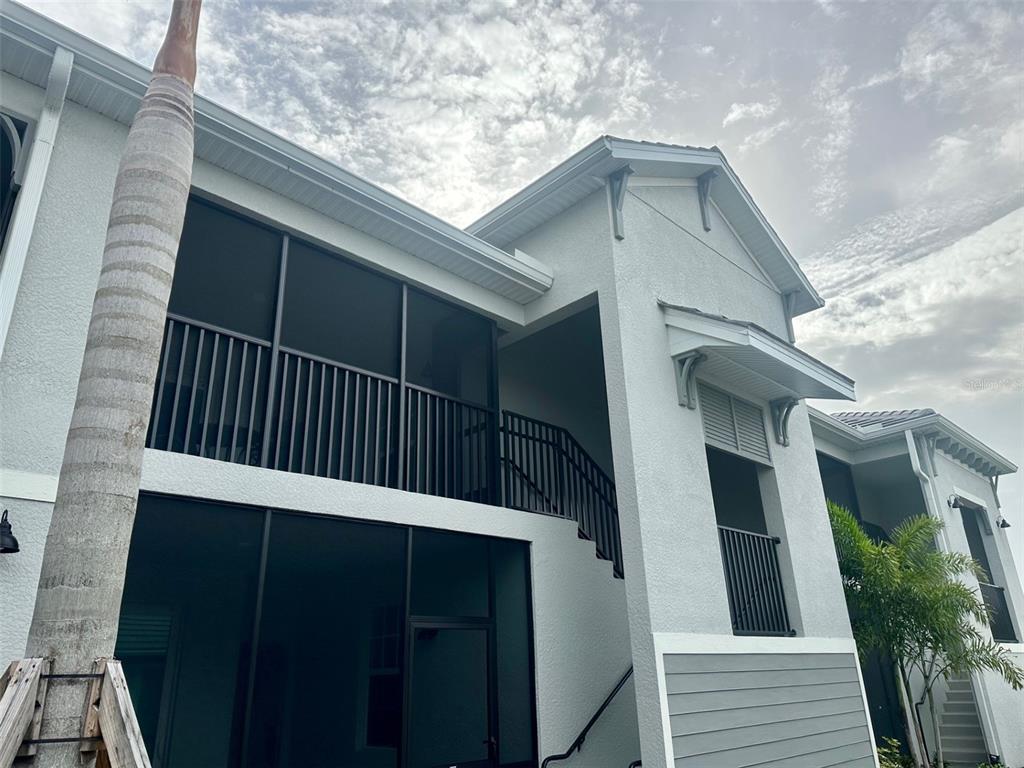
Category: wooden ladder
<point>109,725</point>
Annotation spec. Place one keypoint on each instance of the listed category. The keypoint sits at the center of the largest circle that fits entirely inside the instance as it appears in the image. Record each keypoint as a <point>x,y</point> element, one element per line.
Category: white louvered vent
<point>733,425</point>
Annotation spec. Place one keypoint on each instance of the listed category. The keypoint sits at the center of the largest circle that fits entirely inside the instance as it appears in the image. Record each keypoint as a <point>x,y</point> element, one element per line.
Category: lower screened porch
<point>272,638</point>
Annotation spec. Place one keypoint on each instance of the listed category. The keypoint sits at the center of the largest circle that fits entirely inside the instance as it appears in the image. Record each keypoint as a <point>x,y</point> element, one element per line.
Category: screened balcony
<point>283,355</point>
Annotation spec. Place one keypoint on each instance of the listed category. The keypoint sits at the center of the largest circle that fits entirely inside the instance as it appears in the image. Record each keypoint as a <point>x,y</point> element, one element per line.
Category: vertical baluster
<point>768,586</point>
<point>238,399</point>
<point>177,388</point>
<point>154,423</point>
<point>387,445</point>
<point>195,386</point>
<point>208,398</point>
<point>376,440</point>
<point>285,375</point>
<point>758,583</point>
<point>446,440</point>
<point>306,420</point>
<point>417,479</point>
<point>330,430</point>
<point>319,420</point>
<point>289,466</point>
<point>224,395</point>
<point>343,439</point>
<point>775,585</point>
<point>407,438</point>
<point>257,372</point>
<point>366,428</point>
<point>355,425</point>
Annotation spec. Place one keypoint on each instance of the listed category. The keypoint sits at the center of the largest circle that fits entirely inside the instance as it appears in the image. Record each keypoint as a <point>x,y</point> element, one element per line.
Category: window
<point>12,158</point>
<point>226,273</point>
<point>340,311</point>
<point>449,349</point>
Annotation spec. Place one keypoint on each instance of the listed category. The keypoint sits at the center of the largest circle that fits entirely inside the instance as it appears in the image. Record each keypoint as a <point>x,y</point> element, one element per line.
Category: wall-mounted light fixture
<point>8,544</point>
<point>954,502</point>
<point>1002,522</point>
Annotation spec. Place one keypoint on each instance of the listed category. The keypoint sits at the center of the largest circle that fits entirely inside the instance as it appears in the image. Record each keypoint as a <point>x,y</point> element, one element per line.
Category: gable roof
<point>108,83</point>
<point>585,172</point>
<point>855,430</point>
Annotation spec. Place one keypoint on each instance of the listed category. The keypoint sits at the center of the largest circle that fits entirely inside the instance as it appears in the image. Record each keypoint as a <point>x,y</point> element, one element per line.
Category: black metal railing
<point>754,582</point>
<point>999,613</point>
<point>448,447</point>
<point>332,420</point>
<point>224,395</point>
<point>546,470</point>
<point>577,744</point>
<point>211,393</point>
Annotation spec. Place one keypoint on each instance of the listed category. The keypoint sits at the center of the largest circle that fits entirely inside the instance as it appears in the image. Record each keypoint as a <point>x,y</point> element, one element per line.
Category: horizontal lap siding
<point>767,710</point>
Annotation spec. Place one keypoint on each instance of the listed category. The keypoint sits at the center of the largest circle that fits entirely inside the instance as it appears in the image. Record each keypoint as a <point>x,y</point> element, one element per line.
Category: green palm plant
<point>907,600</point>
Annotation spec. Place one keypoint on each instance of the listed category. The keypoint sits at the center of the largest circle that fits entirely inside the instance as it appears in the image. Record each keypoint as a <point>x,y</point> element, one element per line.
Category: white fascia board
<point>815,299</point>
<point>582,162</point>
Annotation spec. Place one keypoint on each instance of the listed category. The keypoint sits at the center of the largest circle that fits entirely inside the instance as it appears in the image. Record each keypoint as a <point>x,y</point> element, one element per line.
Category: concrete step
<point>955,708</point>
<point>972,759</point>
<point>960,697</point>
<point>960,729</point>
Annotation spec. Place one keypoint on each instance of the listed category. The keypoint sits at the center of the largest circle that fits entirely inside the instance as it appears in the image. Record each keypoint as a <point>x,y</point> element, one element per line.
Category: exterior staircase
<point>963,741</point>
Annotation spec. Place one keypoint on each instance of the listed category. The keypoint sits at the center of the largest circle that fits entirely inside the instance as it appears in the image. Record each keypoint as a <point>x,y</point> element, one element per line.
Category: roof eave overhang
<point>607,155</point>
<point>948,437</point>
<point>762,363</point>
<point>518,277</point>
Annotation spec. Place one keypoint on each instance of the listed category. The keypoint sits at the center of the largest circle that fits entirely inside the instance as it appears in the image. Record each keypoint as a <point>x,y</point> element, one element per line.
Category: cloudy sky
<point>884,142</point>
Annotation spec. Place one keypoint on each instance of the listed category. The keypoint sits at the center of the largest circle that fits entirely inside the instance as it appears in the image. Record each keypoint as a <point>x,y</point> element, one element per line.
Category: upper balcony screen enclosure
<point>226,272</point>
<point>342,312</point>
<point>281,354</point>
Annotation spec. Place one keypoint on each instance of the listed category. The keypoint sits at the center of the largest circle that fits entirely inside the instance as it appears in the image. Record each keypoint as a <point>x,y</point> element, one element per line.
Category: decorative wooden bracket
<point>686,370</point>
<point>617,183</point>
<point>782,409</point>
<point>704,196</point>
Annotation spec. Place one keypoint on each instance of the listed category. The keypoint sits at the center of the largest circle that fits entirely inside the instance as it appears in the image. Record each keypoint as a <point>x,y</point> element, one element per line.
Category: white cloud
<point>754,110</point>
<point>832,139</point>
<point>763,136</point>
<point>959,54</point>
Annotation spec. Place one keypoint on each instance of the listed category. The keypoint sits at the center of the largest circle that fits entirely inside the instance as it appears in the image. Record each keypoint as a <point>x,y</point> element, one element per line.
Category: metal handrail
<point>568,481</point>
<point>577,744</point>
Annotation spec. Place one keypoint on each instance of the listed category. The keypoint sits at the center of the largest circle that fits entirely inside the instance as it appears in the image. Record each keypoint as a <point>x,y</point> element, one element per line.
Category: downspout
<point>19,233</point>
<point>933,505</point>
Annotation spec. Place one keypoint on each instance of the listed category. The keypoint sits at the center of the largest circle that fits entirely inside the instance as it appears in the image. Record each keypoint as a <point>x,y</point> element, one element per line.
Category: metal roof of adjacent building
<point>856,430</point>
<point>881,418</point>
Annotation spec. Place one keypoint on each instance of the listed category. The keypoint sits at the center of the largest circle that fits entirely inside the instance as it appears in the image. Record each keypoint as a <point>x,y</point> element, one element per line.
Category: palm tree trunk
<point>79,595</point>
<point>940,760</point>
<point>915,737</point>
